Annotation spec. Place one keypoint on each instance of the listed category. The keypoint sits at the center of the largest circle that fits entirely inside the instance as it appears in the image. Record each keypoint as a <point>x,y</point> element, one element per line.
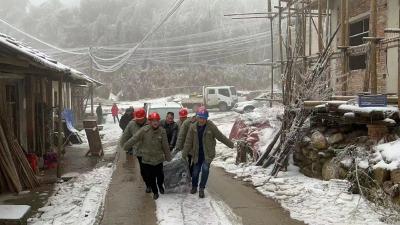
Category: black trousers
<point>155,176</point>
<point>116,117</point>
<point>190,165</point>
<point>142,171</point>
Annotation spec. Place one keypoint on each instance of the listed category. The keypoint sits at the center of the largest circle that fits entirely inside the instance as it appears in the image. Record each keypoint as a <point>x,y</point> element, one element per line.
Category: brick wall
<point>356,77</point>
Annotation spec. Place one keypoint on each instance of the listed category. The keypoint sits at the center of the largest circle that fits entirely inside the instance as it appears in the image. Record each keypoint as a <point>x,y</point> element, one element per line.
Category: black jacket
<point>172,132</point>
<point>123,122</point>
<point>99,111</point>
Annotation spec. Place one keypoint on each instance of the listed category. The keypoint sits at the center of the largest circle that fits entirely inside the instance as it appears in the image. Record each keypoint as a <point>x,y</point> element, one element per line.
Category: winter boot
<point>201,193</point>
<point>162,191</point>
<point>194,190</point>
<point>155,196</point>
<point>148,189</point>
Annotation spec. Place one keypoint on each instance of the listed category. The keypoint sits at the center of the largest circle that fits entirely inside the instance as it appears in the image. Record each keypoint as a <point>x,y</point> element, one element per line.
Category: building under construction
<point>362,35</point>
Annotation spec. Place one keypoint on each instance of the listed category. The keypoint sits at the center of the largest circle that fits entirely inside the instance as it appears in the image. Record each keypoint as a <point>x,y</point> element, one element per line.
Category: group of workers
<point>153,141</point>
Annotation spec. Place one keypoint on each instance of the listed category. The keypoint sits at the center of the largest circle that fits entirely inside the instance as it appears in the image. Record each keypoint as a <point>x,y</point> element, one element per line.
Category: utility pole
<point>91,86</point>
<point>372,56</point>
<point>272,52</point>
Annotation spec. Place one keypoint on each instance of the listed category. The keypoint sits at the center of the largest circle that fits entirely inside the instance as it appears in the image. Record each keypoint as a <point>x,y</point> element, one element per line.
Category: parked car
<point>163,108</point>
<point>248,106</point>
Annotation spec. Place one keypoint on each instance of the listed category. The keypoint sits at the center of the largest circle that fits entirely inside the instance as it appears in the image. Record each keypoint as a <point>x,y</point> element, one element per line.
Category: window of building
<point>224,92</point>
<point>358,30</point>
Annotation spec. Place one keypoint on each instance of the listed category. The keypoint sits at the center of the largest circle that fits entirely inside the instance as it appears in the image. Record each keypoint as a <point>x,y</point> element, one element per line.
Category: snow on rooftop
<point>41,58</point>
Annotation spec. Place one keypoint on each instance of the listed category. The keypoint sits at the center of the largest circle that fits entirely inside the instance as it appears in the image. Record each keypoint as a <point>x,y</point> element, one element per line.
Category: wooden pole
<point>320,29</point>
<point>272,53</point>
<point>372,56</point>
<point>309,32</point>
<point>91,86</point>
<point>59,122</point>
<point>343,37</point>
<point>280,42</point>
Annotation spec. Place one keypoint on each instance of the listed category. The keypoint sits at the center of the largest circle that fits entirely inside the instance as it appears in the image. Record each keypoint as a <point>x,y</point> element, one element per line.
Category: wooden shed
<point>29,93</point>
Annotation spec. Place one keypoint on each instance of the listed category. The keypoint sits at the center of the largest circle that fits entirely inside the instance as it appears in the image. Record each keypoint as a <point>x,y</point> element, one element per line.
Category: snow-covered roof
<point>38,59</point>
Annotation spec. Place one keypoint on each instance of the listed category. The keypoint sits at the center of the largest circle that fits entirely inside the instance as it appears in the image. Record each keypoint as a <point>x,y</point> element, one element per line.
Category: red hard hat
<point>183,112</point>
<point>140,114</point>
<point>154,116</point>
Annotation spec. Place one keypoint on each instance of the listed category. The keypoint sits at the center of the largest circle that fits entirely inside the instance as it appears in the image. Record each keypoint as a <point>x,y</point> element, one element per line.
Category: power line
<point>37,39</point>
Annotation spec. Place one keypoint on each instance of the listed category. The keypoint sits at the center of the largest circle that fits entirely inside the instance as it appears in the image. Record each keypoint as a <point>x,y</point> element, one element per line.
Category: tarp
<point>177,176</point>
<point>70,131</point>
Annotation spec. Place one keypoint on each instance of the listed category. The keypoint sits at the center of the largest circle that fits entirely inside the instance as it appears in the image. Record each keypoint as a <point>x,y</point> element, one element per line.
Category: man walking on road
<point>126,118</point>
<point>183,115</point>
<point>201,141</point>
<point>183,130</point>
<point>132,128</point>
<point>115,111</point>
<point>153,143</point>
<point>99,113</point>
<point>171,128</point>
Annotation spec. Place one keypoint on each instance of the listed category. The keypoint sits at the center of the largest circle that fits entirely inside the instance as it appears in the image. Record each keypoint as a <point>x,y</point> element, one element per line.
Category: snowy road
<point>228,201</point>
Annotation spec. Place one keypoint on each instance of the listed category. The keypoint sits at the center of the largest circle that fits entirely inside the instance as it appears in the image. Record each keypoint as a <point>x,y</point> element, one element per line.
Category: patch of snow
<point>388,120</point>
<point>387,155</point>
<point>189,209</point>
<point>356,108</point>
<point>349,115</point>
<point>78,201</point>
<point>363,164</point>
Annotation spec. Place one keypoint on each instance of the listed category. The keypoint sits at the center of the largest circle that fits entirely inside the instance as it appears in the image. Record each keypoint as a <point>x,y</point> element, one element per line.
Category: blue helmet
<point>202,113</point>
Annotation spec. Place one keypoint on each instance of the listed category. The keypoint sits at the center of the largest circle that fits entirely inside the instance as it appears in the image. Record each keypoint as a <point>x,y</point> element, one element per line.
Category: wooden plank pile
<point>15,171</point>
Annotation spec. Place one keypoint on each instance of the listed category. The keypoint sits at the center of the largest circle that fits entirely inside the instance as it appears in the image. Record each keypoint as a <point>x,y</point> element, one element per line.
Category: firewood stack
<point>15,171</point>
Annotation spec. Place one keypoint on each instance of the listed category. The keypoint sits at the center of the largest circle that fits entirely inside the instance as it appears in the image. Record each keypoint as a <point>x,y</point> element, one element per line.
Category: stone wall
<point>315,154</point>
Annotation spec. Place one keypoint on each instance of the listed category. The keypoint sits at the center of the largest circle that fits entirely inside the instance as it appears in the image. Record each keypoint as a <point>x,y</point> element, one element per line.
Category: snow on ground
<point>307,199</point>
<point>189,209</point>
<point>78,201</point>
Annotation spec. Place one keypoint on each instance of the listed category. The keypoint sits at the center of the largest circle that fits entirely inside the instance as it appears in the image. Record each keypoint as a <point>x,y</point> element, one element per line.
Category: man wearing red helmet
<point>132,128</point>
<point>200,142</point>
<point>184,124</point>
<point>183,115</point>
<point>154,147</point>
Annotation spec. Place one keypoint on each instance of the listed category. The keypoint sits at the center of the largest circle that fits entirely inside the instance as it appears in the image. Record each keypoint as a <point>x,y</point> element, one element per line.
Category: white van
<point>163,108</point>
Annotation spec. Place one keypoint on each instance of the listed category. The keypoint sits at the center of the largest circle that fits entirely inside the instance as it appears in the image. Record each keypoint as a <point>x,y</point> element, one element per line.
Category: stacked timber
<point>15,171</point>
